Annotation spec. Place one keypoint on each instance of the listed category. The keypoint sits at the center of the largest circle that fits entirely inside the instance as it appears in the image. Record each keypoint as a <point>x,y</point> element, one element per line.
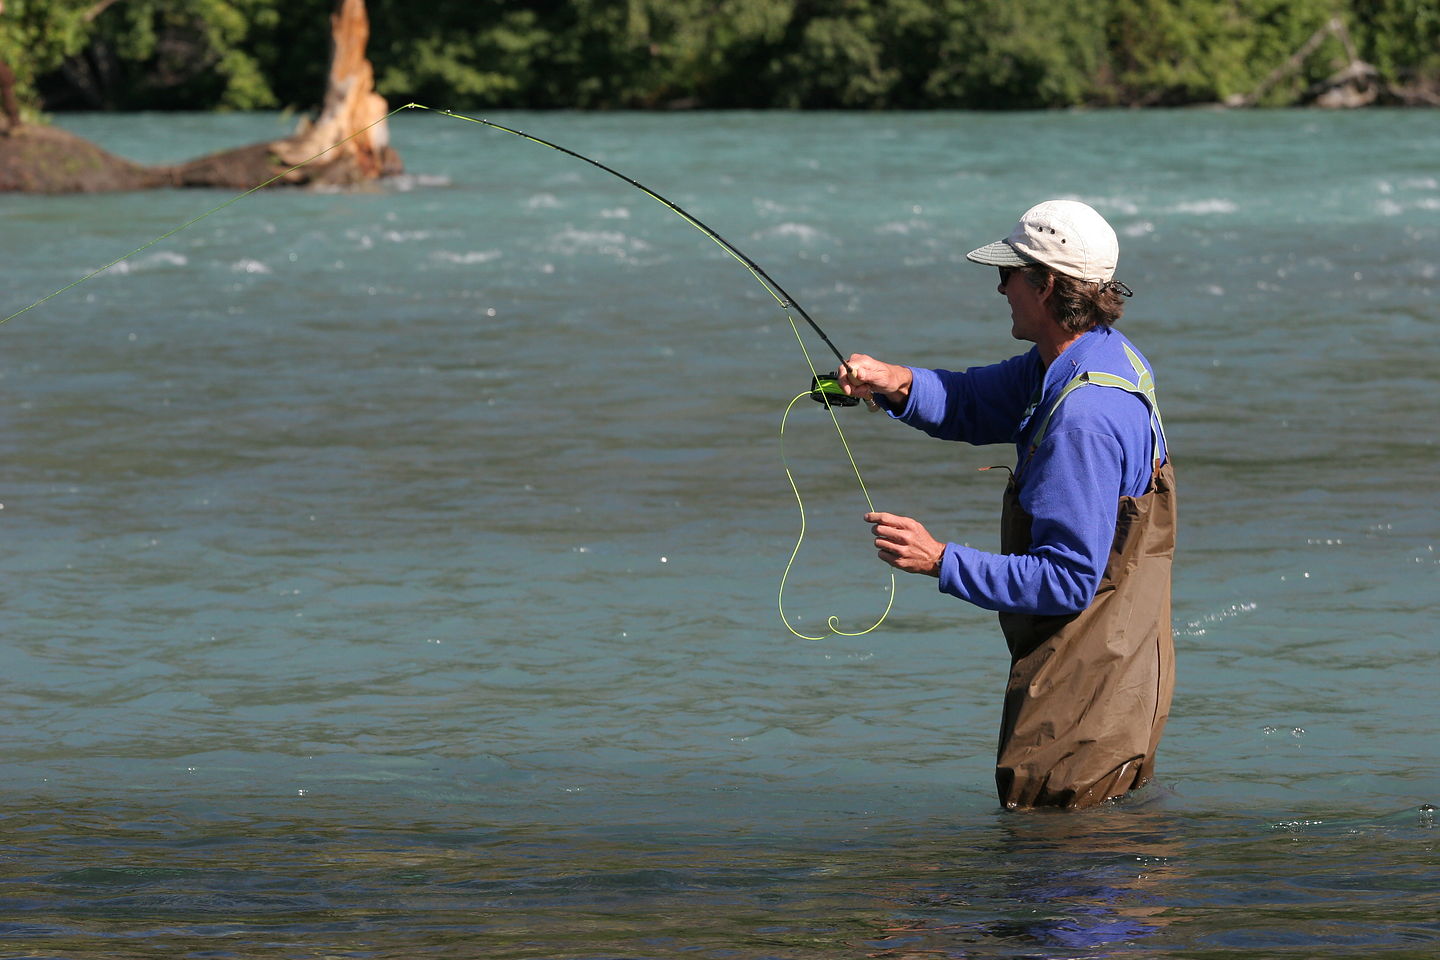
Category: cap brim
<point>998,254</point>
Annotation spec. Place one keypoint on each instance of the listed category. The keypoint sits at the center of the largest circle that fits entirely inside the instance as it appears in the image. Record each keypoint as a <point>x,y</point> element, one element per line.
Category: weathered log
<point>41,159</point>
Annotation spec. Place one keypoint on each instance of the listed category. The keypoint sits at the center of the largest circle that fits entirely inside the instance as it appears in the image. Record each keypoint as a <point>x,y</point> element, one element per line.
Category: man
<point>1082,582</point>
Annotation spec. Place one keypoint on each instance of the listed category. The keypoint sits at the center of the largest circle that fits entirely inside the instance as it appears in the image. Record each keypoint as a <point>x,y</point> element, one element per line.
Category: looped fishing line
<point>785,301</point>
<point>832,622</point>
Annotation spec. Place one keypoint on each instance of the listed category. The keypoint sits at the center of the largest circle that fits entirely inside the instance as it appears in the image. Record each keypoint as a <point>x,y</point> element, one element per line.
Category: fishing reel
<point>825,389</point>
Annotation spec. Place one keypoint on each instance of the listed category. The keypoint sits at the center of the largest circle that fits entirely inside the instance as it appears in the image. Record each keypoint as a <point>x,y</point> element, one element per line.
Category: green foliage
<point>606,54</point>
<point>168,52</point>
<point>1401,37</point>
<point>36,37</point>
<point>1000,54</point>
<point>839,59</point>
<point>1209,50</point>
<point>151,53</point>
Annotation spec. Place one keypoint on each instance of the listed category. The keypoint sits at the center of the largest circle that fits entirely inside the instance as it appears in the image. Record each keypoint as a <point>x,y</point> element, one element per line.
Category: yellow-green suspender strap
<point>1143,387</point>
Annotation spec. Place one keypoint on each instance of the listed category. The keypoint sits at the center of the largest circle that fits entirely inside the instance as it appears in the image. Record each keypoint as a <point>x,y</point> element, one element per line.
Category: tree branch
<point>99,8</point>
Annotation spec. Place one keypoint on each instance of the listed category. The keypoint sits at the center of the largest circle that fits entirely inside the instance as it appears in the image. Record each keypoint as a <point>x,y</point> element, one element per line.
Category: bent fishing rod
<point>823,388</point>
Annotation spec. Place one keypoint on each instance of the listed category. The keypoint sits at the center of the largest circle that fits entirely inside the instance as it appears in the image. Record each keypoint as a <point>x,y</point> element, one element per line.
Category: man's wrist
<point>899,396</point>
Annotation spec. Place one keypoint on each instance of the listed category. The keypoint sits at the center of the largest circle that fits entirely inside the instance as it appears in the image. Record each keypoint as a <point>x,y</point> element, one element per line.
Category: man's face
<point>1028,315</point>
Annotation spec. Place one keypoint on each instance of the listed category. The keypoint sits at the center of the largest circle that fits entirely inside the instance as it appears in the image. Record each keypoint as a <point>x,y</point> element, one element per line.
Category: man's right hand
<point>864,376</point>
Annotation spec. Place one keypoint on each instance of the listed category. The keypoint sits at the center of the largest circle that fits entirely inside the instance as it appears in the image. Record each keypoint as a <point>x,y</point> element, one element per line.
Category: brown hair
<point>1079,305</point>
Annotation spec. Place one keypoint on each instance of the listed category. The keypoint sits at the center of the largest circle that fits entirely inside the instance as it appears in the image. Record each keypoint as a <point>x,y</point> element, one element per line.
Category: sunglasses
<point>1006,273</point>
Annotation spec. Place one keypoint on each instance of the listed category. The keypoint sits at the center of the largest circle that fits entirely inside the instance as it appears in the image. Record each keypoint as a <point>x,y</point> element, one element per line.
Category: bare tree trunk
<point>351,102</point>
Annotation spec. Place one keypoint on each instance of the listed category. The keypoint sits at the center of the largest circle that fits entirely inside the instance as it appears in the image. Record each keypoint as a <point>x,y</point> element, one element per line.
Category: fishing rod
<point>824,388</point>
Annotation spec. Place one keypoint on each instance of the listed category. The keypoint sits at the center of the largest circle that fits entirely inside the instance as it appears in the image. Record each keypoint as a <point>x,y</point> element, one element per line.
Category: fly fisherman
<point>1082,582</point>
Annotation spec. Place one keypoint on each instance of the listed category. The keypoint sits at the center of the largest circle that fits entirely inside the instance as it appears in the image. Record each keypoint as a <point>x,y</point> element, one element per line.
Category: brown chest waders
<point>1089,693</point>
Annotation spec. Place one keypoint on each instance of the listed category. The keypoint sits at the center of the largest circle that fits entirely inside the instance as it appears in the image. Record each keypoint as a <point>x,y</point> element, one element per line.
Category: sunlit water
<point>393,572</point>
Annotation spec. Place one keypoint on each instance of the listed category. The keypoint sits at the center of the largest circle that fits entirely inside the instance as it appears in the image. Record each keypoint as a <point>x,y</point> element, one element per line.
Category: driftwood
<point>42,159</point>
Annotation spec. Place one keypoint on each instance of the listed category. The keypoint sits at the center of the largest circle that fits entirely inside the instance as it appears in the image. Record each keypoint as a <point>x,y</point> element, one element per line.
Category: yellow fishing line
<point>832,622</point>
<point>760,276</point>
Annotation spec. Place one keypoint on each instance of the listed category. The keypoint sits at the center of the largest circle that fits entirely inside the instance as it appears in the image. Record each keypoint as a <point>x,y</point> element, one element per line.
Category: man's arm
<point>1070,488</point>
<point>1074,479</point>
<point>979,405</point>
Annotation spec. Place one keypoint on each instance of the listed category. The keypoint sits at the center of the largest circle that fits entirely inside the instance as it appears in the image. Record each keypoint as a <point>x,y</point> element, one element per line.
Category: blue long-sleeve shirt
<point>1098,447</point>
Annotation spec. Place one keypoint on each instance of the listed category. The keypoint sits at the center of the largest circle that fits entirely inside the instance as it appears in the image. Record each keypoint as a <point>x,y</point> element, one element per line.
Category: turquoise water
<point>393,573</point>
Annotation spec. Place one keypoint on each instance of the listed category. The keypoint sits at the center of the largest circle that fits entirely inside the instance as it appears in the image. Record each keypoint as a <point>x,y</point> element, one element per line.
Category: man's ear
<point>1049,286</point>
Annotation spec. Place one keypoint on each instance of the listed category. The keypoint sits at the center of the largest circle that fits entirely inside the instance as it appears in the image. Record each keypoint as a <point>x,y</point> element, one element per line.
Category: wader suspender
<point>1143,387</point>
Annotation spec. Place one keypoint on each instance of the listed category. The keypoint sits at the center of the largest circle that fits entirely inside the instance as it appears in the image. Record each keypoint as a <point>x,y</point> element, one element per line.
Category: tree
<point>37,36</point>
<point>997,54</point>
<point>1402,39</point>
<point>1189,51</point>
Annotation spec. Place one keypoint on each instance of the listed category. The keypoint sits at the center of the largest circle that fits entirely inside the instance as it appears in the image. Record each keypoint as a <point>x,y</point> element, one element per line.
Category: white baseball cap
<point>1067,236</point>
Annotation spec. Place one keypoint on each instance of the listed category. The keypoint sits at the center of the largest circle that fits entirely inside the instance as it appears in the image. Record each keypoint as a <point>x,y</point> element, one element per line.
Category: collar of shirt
<point>1062,371</point>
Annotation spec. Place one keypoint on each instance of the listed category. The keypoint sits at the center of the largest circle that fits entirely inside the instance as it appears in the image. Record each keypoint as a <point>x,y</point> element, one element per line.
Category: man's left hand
<point>905,544</point>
